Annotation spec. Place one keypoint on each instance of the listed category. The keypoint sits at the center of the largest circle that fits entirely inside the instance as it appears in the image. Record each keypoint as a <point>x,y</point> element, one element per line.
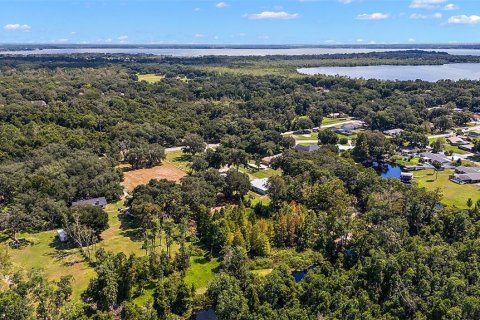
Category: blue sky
<point>239,21</point>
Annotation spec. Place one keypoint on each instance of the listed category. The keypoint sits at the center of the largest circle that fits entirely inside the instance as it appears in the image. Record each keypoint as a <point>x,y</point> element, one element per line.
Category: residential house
<point>466,170</point>
<point>309,148</point>
<point>98,202</point>
<point>466,178</point>
<point>259,186</point>
<point>456,141</point>
<point>406,176</point>
<point>467,147</point>
<point>267,161</point>
<point>393,132</point>
<point>474,134</point>
<point>430,157</point>
<point>38,103</point>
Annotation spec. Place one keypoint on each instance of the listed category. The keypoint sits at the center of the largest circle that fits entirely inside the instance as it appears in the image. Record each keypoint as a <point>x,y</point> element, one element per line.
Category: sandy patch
<point>143,176</point>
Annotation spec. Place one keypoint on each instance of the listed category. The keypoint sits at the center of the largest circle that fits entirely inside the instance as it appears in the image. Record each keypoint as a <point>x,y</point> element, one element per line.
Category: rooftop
<point>94,202</point>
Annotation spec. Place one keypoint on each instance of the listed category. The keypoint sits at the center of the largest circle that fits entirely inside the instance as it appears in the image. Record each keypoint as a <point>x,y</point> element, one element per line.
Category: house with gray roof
<point>97,202</point>
<point>466,178</point>
<point>430,157</point>
<point>309,148</point>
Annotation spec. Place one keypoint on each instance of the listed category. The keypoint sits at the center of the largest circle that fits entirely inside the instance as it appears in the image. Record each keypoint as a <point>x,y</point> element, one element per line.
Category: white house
<point>259,186</point>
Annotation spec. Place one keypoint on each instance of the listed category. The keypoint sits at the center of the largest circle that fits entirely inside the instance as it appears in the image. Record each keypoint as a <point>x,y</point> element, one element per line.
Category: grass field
<point>56,262</point>
<point>453,194</point>
<point>150,78</point>
<point>455,149</point>
<point>327,121</point>
<point>201,272</point>
<point>179,159</point>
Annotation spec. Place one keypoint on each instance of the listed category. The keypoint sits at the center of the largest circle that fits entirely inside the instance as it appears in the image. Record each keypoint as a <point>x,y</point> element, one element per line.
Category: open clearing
<point>167,171</point>
<point>453,194</point>
<point>150,78</point>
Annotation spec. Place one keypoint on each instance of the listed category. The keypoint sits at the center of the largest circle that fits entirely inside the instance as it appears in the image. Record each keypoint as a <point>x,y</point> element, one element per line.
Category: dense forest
<point>374,248</point>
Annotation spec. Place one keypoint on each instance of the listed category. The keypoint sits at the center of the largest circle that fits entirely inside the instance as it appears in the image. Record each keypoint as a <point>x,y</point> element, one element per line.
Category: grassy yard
<point>179,159</point>
<point>201,272</point>
<point>454,149</point>
<point>327,121</point>
<point>45,252</point>
<point>453,194</point>
<point>150,78</point>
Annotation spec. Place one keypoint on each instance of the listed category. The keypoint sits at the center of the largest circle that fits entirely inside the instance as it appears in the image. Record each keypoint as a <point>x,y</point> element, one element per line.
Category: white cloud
<point>450,7</point>
<point>360,40</point>
<point>109,40</point>
<point>63,40</point>
<point>282,15</point>
<point>221,5</point>
<point>464,19</point>
<point>264,37</point>
<point>73,33</point>
<point>123,38</point>
<point>198,35</point>
<point>412,40</point>
<point>216,37</point>
<point>418,16</point>
<point>426,4</point>
<point>17,27</point>
<point>373,16</point>
<point>345,1</point>
<point>196,9</point>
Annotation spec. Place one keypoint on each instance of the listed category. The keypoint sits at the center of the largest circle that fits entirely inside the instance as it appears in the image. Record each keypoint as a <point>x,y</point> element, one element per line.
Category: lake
<point>192,52</point>
<point>453,71</point>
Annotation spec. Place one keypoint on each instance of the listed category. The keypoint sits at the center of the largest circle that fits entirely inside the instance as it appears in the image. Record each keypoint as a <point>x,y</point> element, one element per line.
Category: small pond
<point>388,170</point>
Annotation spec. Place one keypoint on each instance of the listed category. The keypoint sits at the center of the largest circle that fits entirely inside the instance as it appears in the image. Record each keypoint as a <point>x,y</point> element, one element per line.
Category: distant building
<point>393,132</point>
<point>467,147</point>
<point>259,186</point>
<point>466,178</point>
<point>267,161</point>
<point>38,103</point>
<point>474,134</point>
<point>98,202</point>
<point>466,170</point>
<point>456,141</point>
<point>62,235</point>
<point>309,148</point>
<point>430,157</point>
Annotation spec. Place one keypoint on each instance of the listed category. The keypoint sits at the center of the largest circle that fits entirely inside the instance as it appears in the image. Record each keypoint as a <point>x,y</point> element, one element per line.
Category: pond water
<point>388,170</point>
<point>453,71</point>
<point>299,275</point>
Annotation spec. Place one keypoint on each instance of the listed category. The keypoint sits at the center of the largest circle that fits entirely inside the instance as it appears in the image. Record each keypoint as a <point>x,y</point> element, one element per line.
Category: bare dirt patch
<point>167,171</point>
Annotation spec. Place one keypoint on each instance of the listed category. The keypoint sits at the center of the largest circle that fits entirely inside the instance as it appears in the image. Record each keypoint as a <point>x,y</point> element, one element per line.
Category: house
<point>38,103</point>
<point>474,134</point>
<point>62,235</point>
<point>98,202</point>
<point>267,161</point>
<point>466,170</point>
<point>456,141</point>
<point>393,132</point>
<point>334,115</point>
<point>467,147</point>
<point>476,117</point>
<point>309,148</point>
<point>430,157</point>
<point>348,128</point>
<point>259,186</point>
<point>466,178</point>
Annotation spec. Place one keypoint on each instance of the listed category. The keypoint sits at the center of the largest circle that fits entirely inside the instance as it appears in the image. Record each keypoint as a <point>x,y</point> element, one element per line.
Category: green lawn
<point>402,162</point>
<point>150,78</point>
<point>201,272</point>
<point>453,194</point>
<point>46,253</point>
<point>179,159</point>
<point>327,121</point>
<point>454,149</point>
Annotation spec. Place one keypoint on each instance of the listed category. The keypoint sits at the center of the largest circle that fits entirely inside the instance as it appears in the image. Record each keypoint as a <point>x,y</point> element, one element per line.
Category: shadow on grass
<point>204,260</point>
<point>130,228</point>
<point>183,158</point>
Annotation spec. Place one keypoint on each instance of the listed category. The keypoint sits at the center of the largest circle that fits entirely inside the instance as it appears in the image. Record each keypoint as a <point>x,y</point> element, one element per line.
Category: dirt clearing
<point>167,171</point>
